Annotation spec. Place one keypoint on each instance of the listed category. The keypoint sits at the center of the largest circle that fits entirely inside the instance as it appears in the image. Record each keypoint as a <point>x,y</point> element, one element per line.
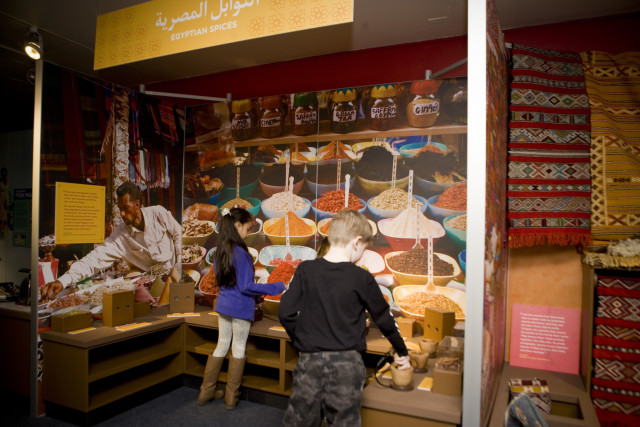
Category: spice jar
<point>305,113</point>
<point>241,120</point>
<point>403,96</point>
<point>272,119</point>
<point>453,94</point>
<point>383,107</point>
<point>424,107</point>
<point>344,113</point>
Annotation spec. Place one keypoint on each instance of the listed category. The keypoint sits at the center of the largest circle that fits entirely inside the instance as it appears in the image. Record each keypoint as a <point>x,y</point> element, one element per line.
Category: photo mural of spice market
<point>395,152</point>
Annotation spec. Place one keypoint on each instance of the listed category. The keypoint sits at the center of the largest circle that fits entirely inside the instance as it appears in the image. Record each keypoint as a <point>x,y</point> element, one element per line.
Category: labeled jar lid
<point>343,95</point>
<point>383,91</point>
<point>424,87</point>
<point>305,98</point>
<point>271,102</point>
<point>241,106</point>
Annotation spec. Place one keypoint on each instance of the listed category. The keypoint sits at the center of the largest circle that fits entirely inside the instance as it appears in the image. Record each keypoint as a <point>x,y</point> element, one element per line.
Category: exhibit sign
<point>80,212</point>
<point>546,338</point>
<point>164,27</point>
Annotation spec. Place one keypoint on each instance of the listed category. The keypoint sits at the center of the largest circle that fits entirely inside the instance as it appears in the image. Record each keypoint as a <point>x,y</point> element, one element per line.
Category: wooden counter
<point>91,369</point>
<point>15,321</point>
<point>570,404</point>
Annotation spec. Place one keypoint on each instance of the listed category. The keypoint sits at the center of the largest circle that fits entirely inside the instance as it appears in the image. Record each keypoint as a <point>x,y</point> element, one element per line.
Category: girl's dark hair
<point>228,237</point>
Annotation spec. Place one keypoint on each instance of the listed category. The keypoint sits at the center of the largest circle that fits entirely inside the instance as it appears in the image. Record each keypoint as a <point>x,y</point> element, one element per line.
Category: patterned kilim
<point>549,187</point>
<point>613,85</point>
<point>616,352</point>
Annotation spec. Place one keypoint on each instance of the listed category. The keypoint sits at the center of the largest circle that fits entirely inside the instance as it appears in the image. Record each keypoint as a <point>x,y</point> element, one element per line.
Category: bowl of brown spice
<point>412,267</point>
<point>413,300</point>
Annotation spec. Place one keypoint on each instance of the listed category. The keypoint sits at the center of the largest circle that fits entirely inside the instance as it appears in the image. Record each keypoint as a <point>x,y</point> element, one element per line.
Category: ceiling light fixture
<point>33,44</point>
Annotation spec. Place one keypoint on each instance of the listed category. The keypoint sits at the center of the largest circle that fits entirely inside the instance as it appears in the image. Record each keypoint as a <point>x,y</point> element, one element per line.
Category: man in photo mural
<point>146,237</point>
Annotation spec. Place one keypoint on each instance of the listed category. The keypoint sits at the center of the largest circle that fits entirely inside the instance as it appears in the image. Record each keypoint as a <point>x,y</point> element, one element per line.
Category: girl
<point>235,306</point>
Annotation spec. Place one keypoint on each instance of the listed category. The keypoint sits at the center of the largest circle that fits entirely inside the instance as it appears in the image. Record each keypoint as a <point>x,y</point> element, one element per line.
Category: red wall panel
<point>402,62</point>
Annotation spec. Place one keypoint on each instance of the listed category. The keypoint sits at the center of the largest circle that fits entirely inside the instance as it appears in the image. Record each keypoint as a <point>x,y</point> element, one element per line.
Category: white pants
<point>231,327</point>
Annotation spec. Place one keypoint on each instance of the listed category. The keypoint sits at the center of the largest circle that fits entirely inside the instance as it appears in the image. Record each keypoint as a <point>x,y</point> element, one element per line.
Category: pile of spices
<point>194,227</point>
<point>237,203</point>
<point>297,227</point>
<point>417,302</point>
<point>416,261</point>
<point>208,283</point>
<point>280,261</point>
<point>329,151</point>
<point>454,198</point>
<point>275,175</point>
<point>325,227</point>
<point>376,164</point>
<point>437,167</point>
<point>393,199</point>
<point>333,201</point>
<point>280,202</point>
<point>326,174</point>
<point>404,225</point>
<point>265,154</point>
<point>458,222</point>
<point>228,175</point>
<point>191,253</point>
<point>283,273</point>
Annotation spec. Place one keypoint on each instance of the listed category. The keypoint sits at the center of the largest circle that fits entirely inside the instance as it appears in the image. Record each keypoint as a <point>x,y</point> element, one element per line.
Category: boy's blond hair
<point>347,225</point>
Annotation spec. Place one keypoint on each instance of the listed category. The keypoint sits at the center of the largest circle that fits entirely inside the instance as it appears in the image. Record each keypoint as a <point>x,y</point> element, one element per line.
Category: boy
<point>323,311</point>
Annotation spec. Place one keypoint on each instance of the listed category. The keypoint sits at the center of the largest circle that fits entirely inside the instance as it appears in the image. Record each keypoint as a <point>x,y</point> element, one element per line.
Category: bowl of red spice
<point>209,288</point>
<point>283,273</point>
<point>332,202</point>
<point>323,227</point>
<point>272,256</point>
<point>411,267</point>
<point>453,201</point>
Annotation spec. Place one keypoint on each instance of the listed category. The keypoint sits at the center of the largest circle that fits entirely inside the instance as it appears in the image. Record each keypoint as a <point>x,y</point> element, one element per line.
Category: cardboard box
<point>447,382</point>
<point>71,320</point>
<point>117,308</point>
<point>182,297</point>
<point>438,323</point>
<point>141,308</point>
<point>405,326</point>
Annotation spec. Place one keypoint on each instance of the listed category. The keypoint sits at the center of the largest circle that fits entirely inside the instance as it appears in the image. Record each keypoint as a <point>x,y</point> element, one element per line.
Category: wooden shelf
<point>205,348</point>
<point>128,361</point>
<point>112,394</point>
<point>266,358</point>
<point>325,136</point>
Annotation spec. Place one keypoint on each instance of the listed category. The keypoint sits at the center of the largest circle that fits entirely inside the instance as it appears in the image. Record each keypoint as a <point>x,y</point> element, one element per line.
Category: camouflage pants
<point>326,383</point>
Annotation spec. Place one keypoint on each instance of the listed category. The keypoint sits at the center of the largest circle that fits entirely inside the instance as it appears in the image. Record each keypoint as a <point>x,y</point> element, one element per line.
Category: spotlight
<point>33,44</point>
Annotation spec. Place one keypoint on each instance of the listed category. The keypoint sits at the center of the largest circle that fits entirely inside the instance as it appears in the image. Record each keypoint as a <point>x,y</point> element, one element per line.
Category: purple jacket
<point>239,300</point>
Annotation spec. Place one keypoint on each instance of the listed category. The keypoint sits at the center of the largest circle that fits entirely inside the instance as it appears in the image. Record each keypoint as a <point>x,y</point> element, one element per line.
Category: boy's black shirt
<point>323,309</point>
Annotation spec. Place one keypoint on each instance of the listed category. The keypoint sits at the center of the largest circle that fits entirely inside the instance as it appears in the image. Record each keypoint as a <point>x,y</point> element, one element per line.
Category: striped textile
<point>613,85</point>
<point>548,186</point>
<point>616,352</point>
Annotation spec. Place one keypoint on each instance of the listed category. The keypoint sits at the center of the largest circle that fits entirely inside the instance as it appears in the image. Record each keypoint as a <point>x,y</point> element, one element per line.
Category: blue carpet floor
<point>175,408</point>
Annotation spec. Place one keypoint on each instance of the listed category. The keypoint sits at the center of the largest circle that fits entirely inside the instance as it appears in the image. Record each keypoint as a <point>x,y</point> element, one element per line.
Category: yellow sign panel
<point>79,213</point>
<point>164,27</point>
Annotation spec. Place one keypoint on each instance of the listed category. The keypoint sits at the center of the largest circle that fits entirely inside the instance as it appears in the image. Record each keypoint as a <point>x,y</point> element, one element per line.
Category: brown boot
<point>234,379</point>
<point>208,390</point>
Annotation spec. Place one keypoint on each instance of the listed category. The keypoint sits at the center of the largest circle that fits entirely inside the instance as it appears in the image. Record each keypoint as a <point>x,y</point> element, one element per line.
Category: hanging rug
<point>548,186</point>
<point>613,85</point>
